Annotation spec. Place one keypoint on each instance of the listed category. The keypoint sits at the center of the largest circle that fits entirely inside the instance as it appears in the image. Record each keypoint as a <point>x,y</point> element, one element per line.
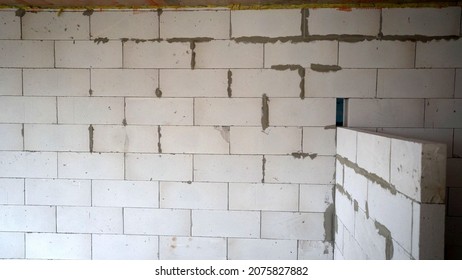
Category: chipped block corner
<point>211,134</point>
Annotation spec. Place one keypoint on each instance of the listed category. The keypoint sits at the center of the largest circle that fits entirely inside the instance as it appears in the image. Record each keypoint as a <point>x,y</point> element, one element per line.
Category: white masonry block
<point>163,111</point>
<point>55,26</point>
<point>227,168</point>
<point>56,82</point>
<point>415,83</point>
<point>304,54</point>
<point>194,83</point>
<point>316,198</point>
<point>319,140</point>
<point>356,184</point>
<point>394,211</point>
<point>228,111</point>
<point>339,172</point>
<point>89,220</point>
<point>288,169</point>
<point>11,191</point>
<point>56,138</point>
<point>195,139</point>
<point>351,248</point>
<point>124,82</point>
<point>344,22</point>
<point>217,223</point>
<point>347,143</point>
<point>58,192</point>
<point>457,143</point>
<point>20,109</point>
<point>12,245</point>
<point>88,54</point>
<point>399,253</point>
<point>10,25</point>
<point>156,55</point>
<point>91,166</point>
<point>378,146</point>
<point>194,195</point>
<point>440,135</point>
<point>418,170</point>
<point>131,138</point>
<point>90,110</point>
<point>428,231</point>
<point>421,21</point>
<point>368,237</point>
<point>273,83</point>
<point>157,221</point>
<point>124,247</point>
<point>377,54</point>
<point>28,164</point>
<point>192,248</point>
<point>289,225</point>
<point>110,193</point>
<point>270,197</point>
<point>261,249</point>
<point>11,81</point>
<point>273,140</point>
<point>228,54</point>
<point>344,209</point>
<point>343,83</point>
<point>135,24</point>
<point>58,246</point>
<point>339,234</point>
<point>266,23</point>
<point>302,112</point>
<point>195,24</point>
<point>439,54</point>
<point>443,113</point>
<point>27,53</point>
<point>163,167</point>
<point>458,93</point>
<point>12,139</point>
<point>385,112</point>
<point>315,250</point>
<point>28,218</point>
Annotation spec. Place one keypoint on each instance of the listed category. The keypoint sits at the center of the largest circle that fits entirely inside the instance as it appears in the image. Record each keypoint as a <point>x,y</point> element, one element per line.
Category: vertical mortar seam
<point>455,83</point>
<point>123,220</point>
<point>415,55</point>
<point>338,52</point>
<point>91,246</point>
<point>299,197</point>
<point>22,81</point>
<point>376,83</point>
<point>25,246</point>
<point>424,110</point>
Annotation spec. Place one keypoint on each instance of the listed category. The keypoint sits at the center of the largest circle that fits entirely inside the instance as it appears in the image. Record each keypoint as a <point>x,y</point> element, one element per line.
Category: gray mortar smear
<point>325,68</point>
<point>330,126</point>
<point>230,81</point>
<point>301,73</point>
<point>192,45</point>
<point>283,67</point>
<point>341,190</point>
<point>304,155</point>
<point>264,112</point>
<point>103,40</point>
<point>329,222</point>
<point>385,232</point>
<point>224,132</point>
<point>124,122</point>
<point>355,205</point>
<point>90,135</point>
<point>159,146</point>
<point>371,176</point>
<point>20,12</point>
<point>263,169</point>
<point>87,12</point>
<point>367,209</point>
<point>159,12</point>
<point>158,92</point>
<point>90,92</point>
<point>189,40</point>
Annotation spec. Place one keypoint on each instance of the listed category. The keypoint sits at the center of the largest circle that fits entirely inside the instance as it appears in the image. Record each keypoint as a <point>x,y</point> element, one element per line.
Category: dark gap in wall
<point>340,112</point>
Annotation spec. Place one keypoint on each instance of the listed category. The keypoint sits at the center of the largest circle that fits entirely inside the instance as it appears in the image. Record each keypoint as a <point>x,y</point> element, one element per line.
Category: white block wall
<point>390,200</point>
<point>215,123</point>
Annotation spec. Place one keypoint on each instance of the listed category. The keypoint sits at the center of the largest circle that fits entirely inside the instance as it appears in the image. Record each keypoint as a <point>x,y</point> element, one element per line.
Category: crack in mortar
<point>230,81</point>
<point>325,68</point>
<point>264,112</point>
<point>370,176</point>
<point>385,232</point>
<point>301,155</point>
<point>90,135</point>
